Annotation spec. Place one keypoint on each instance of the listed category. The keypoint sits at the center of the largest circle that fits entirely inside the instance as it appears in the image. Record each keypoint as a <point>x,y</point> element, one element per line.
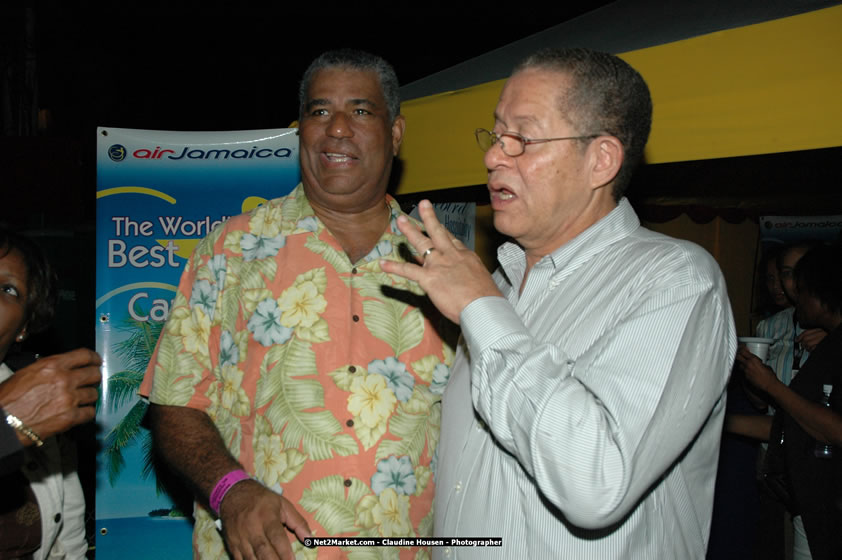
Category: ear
<point>606,159</point>
<point>398,128</point>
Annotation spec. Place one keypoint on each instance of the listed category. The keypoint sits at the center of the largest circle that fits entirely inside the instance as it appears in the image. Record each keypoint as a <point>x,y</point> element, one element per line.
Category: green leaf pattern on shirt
<point>301,552</point>
<point>343,377</point>
<point>318,433</point>
<point>176,373</point>
<point>228,425</point>
<point>425,528</point>
<point>337,260</point>
<point>423,475</point>
<point>395,323</point>
<point>372,552</point>
<point>411,429</point>
<point>251,272</point>
<point>425,366</point>
<point>273,464</point>
<point>333,508</point>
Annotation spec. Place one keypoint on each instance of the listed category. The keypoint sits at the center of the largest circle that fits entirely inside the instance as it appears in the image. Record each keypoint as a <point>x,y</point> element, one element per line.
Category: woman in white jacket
<point>42,508</point>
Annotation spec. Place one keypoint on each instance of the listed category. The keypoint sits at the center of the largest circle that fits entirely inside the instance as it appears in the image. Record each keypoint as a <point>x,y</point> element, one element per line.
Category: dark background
<point>226,65</point>
<point>68,67</point>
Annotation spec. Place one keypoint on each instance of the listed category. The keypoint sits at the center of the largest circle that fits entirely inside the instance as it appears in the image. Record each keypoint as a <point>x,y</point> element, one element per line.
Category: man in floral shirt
<point>291,355</point>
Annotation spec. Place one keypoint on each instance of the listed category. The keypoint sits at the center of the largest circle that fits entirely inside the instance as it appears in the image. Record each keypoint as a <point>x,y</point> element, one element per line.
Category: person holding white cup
<point>758,346</point>
<point>782,358</point>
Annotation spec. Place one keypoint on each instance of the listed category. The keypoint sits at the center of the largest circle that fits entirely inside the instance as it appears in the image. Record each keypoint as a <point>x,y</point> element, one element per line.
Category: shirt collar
<point>616,225</point>
<point>387,247</point>
<point>300,197</point>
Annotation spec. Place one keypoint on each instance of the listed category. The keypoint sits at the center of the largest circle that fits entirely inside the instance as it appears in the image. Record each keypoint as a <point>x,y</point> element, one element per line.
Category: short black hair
<point>607,96</point>
<point>353,59</point>
<point>40,279</point>
<point>819,273</point>
<point>804,245</point>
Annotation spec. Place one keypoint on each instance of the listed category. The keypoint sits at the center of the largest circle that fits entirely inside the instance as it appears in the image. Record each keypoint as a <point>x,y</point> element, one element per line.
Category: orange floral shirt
<point>323,376</point>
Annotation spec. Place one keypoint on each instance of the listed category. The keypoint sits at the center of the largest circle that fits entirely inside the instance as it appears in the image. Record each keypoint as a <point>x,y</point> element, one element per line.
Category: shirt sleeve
<point>71,540</point>
<point>182,359</point>
<point>596,433</point>
<point>764,328</point>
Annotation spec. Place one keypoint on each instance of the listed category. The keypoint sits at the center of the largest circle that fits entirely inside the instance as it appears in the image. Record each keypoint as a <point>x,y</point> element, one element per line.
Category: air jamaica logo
<point>117,152</point>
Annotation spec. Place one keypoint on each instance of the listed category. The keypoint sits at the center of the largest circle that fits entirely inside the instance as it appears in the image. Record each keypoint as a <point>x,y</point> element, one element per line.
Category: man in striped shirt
<point>583,414</point>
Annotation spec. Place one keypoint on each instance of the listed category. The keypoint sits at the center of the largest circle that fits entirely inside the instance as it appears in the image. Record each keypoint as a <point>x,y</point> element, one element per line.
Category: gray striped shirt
<point>583,416</point>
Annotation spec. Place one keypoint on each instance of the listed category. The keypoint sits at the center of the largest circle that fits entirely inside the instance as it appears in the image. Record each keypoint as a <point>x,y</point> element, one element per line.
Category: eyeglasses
<point>514,144</point>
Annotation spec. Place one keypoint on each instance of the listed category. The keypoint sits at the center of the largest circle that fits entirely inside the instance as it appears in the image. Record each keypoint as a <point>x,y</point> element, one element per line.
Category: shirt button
<point>447,552</point>
<point>57,517</point>
<point>350,423</point>
<point>352,369</point>
<point>356,318</point>
<point>347,483</point>
<point>457,487</point>
<point>354,270</point>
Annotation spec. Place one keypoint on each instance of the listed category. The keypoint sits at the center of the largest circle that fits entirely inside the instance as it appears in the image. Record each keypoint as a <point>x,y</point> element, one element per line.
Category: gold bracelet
<point>17,424</point>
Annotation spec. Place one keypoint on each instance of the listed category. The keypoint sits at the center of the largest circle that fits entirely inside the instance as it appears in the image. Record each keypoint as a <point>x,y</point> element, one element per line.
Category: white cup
<point>757,346</point>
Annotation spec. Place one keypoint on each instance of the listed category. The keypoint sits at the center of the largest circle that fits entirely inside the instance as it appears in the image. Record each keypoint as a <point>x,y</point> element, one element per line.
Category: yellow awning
<point>765,88</point>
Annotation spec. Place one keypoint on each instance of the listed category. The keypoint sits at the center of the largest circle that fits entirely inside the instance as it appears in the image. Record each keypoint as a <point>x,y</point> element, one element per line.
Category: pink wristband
<point>224,485</point>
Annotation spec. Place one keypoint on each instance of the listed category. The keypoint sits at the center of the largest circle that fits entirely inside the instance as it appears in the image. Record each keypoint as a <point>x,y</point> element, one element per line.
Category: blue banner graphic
<point>158,194</point>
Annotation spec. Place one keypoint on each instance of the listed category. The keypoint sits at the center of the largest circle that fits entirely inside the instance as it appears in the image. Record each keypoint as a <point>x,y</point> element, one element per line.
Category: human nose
<point>339,126</point>
<point>495,156</point>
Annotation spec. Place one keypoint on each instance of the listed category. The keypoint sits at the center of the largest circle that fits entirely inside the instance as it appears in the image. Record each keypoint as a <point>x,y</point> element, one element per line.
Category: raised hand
<point>452,275</point>
<point>811,338</point>
<point>54,393</point>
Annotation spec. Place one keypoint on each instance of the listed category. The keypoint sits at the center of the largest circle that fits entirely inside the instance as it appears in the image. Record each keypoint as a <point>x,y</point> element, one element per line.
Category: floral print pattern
<point>399,380</point>
<point>391,514</point>
<point>441,373</point>
<point>371,400</point>
<point>229,352</point>
<point>301,305</point>
<point>204,296</point>
<point>324,387</point>
<point>266,325</point>
<point>259,247</point>
<point>396,473</point>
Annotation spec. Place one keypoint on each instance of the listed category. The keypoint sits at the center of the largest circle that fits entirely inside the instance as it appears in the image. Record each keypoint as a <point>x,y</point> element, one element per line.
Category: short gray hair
<point>607,96</point>
<point>352,59</point>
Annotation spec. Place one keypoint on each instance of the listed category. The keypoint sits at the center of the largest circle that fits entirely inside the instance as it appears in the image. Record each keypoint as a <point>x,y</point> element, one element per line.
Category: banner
<point>458,217</point>
<point>158,194</point>
<point>788,229</point>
